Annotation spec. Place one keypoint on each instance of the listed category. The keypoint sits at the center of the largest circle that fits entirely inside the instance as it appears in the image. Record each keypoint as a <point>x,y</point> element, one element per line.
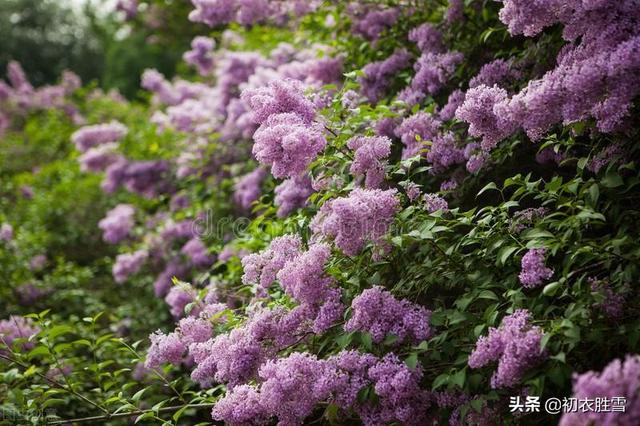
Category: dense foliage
<point>365,212</point>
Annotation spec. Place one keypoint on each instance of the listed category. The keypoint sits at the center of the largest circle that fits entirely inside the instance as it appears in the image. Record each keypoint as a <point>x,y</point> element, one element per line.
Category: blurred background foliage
<point>90,38</point>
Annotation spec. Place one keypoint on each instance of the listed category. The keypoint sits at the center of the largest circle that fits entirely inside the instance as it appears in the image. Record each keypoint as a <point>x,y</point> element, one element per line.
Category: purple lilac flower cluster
<point>377,312</point>
<point>292,194</point>
<point>200,55</point>
<point>364,216</point>
<point>290,388</point>
<point>618,379</point>
<point>515,345</point>
<point>369,153</point>
<point>534,272</point>
<point>118,223</point>
<point>16,327</point>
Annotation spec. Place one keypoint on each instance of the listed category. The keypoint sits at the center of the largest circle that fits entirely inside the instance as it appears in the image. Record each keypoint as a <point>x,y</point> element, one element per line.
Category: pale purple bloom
<point>200,54</point>
<point>99,158</point>
<point>415,130</point>
<point>117,224</point>
<point>292,194</point>
<point>288,144</point>
<point>90,136</point>
<point>261,268</point>
<point>279,96</point>
<point>197,253</point>
<point>128,264</point>
<point>534,272</point>
<point>427,37</point>
<point>247,189</point>
<point>378,75</point>
<point>165,348</point>
<point>364,216</point>
<point>434,202</point>
<point>371,25</point>
<point>515,345</point>
<point>16,327</point>
<point>618,379</point>
<point>37,262</point>
<point>370,153</point>
<point>377,312</point>
<point>6,232</point>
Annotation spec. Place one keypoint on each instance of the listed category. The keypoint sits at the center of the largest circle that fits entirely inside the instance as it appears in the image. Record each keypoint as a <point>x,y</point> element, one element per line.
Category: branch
<point>55,383</point>
<point>129,414</point>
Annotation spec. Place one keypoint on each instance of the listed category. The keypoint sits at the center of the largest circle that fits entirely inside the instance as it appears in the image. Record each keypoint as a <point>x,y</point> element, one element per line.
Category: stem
<point>55,383</point>
<point>129,414</point>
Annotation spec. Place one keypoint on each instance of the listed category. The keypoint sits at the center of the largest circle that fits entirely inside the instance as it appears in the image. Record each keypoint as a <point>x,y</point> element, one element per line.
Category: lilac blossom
<point>372,24</point>
<point>364,216</point>
<point>433,71</point>
<point>118,223</point>
<point>288,144</point>
<point>515,345</point>
<point>427,37</point>
<point>16,327</point>
<point>197,253</point>
<point>261,268</point>
<point>369,155</point>
<point>377,312</point>
<point>292,194</point>
<point>247,189</point>
<point>279,96</point>
<point>165,348</point>
<point>164,281</point>
<point>90,136</point>
<point>377,77</point>
<point>200,55</point>
<point>618,379</point>
<point>99,158</point>
<point>434,203</point>
<point>534,272</point>
<point>415,130</point>
<point>6,232</point>
<point>448,112</point>
<point>128,264</point>
<point>494,73</point>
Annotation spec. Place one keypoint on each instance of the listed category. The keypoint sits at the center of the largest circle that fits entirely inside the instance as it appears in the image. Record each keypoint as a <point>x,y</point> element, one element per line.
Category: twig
<point>55,383</point>
<point>129,414</point>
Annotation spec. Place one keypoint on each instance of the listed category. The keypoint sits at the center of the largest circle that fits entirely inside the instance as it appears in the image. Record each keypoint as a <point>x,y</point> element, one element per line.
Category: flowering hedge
<point>375,212</point>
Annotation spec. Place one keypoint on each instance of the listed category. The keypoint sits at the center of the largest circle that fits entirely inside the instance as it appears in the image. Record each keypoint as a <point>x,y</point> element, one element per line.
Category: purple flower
<point>433,71</point>
<point>377,312</point>
<point>117,224</point>
<point>178,297</point>
<point>479,110</point>
<point>165,348</point>
<point>415,130</point>
<point>303,277</point>
<point>279,96</point>
<point>16,327</point>
<point>619,379</point>
<point>448,112</point>
<point>455,11</point>
<point>494,73</point>
<point>213,12</point>
<point>90,136</point>
<point>292,194</point>
<point>369,153</point>
<point>534,272</point>
<point>516,347</point>
<point>37,262</point>
<point>99,158</point>
<point>200,54</point>
<point>197,253</point>
<point>444,153</point>
<point>288,144</point>
<point>128,264</point>
<point>247,189</point>
<point>427,37</point>
<point>6,232</point>
<point>364,216</point>
<point>371,25</point>
<point>261,268</point>
<point>377,75</point>
<point>434,202</point>
<point>164,281</point>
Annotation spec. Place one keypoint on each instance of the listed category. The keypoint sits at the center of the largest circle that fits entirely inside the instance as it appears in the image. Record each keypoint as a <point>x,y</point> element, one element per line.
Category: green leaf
<point>147,415</point>
<point>490,185</point>
<point>459,378</point>
<point>504,253</point>
<point>412,361</point>
<point>59,330</point>
<point>551,288</point>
